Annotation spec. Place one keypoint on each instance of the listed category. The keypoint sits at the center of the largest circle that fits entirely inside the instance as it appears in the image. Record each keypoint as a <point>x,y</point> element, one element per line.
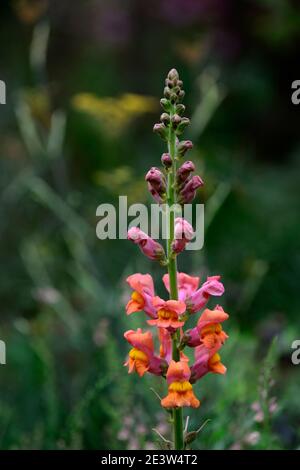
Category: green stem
<point>172,269</point>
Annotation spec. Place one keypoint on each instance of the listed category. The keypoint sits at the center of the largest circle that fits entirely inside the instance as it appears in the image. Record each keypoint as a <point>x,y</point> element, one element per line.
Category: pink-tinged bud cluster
<point>156,184</point>
<point>151,248</point>
<point>183,233</point>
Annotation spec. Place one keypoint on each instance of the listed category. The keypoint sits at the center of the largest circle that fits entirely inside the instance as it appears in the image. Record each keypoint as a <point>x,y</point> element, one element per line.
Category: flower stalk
<point>172,270</point>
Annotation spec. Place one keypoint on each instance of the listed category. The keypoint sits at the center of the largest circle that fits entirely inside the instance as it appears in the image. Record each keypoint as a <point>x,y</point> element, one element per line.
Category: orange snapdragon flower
<point>206,360</point>
<point>141,357</point>
<point>210,329</point>
<point>180,391</point>
<point>168,312</point>
<point>142,295</point>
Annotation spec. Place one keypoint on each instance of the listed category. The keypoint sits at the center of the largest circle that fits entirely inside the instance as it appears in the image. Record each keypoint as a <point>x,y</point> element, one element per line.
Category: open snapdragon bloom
<point>142,295</point>
<point>194,297</point>
<point>209,330</point>
<point>168,313</point>
<point>180,390</point>
<point>141,357</point>
<point>206,361</point>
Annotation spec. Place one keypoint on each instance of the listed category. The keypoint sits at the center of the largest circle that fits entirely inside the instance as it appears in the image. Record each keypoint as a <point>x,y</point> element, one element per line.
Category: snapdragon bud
<point>176,120</point>
<point>180,109</point>
<point>173,75</point>
<point>184,122</point>
<point>165,104</point>
<point>166,160</point>
<point>151,248</point>
<point>184,172</point>
<point>156,184</point>
<point>183,147</point>
<point>158,197</point>
<point>156,178</point>
<point>183,233</point>
<point>188,192</point>
<point>167,92</point>
<point>165,118</point>
<point>161,130</point>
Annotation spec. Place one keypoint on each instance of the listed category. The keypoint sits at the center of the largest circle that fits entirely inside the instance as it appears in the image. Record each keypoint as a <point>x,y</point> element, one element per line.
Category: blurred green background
<point>84,81</point>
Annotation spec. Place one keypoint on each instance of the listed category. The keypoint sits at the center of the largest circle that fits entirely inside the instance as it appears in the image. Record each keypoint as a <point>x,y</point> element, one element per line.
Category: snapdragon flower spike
<point>206,361</point>
<point>156,184</point>
<point>168,314</point>
<point>175,185</point>
<point>142,295</point>
<point>183,234</point>
<point>151,248</point>
<point>141,357</point>
<point>180,390</point>
<point>194,298</point>
<point>208,331</point>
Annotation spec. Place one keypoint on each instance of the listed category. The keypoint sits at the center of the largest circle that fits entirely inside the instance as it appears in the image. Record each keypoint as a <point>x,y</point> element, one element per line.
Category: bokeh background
<point>84,81</point>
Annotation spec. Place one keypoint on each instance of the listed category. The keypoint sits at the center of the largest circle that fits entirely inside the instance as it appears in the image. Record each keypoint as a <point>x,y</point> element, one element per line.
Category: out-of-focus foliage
<point>83,83</point>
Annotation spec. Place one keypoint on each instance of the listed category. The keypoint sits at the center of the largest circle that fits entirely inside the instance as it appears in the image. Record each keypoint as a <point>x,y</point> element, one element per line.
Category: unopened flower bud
<point>183,147</point>
<point>183,234</point>
<point>184,171</point>
<point>173,75</point>
<point>188,193</point>
<point>169,83</point>
<point>180,108</point>
<point>156,178</point>
<point>181,94</point>
<point>165,118</point>
<point>165,104</point>
<point>176,120</point>
<point>166,160</point>
<point>161,130</point>
<point>173,98</point>
<point>167,92</point>
<point>182,125</point>
<point>156,184</point>
<point>151,248</point>
<point>158,197</point>
<point>183,229</point>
